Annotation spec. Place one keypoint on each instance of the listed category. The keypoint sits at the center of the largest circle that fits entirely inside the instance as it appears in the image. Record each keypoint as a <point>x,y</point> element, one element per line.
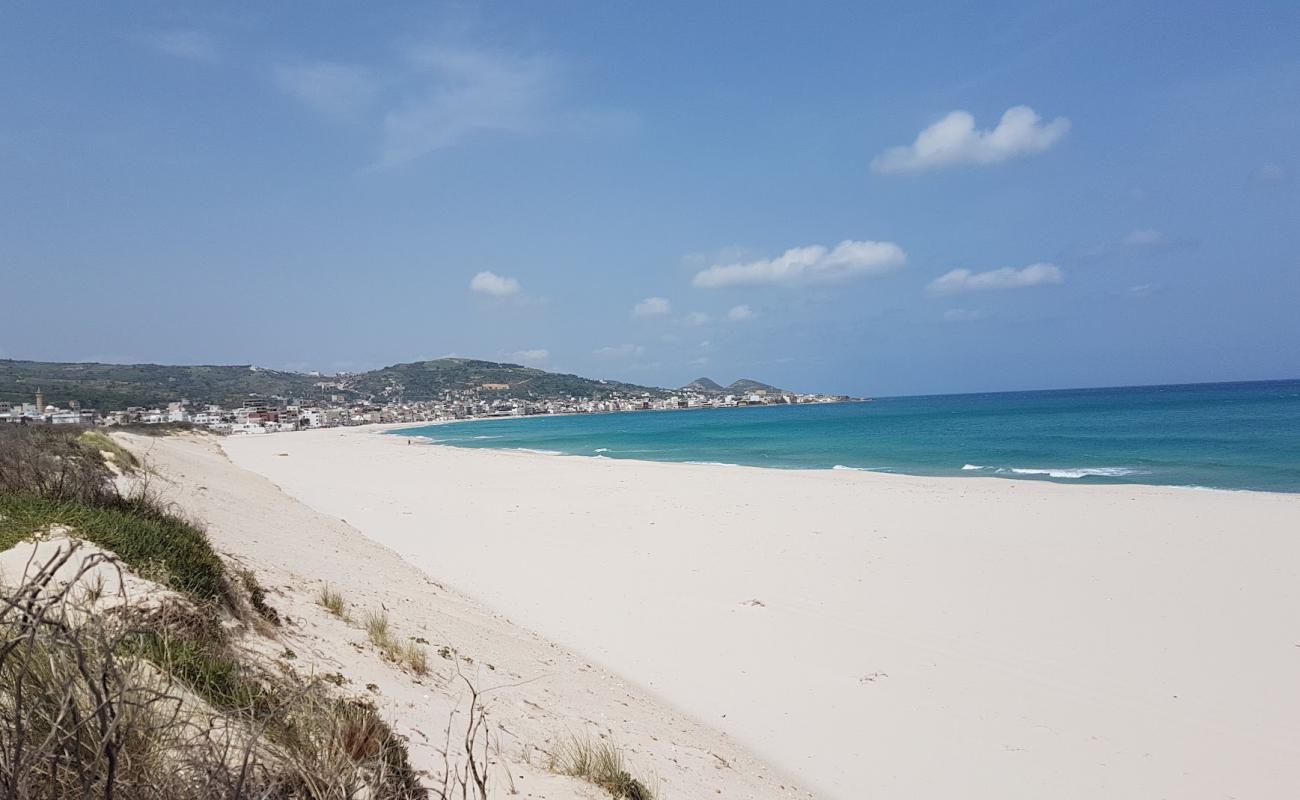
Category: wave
<point>538,452</point>
<point>1073,473</point>
<point>602,450</point>
<point>495,436</point>
<point>711,463</point>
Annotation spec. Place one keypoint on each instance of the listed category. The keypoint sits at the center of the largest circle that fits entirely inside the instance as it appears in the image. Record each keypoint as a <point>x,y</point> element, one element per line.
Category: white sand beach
<point>871,635</point>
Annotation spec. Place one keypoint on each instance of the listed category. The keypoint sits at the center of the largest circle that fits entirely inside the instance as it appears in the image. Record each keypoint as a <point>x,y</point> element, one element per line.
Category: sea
<point>1242,436</point>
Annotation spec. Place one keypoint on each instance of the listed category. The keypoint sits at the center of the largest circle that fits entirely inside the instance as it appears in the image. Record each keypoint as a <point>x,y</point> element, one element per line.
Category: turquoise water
<point>1226,435</point>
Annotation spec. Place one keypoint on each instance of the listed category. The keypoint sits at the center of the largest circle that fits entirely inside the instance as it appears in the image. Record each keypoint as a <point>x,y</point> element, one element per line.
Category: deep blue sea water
<point>1225,435</point>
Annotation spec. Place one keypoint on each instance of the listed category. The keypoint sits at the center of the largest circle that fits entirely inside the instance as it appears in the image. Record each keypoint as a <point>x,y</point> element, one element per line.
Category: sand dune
<point>877,636</point>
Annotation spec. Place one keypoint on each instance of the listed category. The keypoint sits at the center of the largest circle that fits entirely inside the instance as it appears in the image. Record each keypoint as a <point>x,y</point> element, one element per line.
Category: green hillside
<point>425,380</point>
<point>116,386</point>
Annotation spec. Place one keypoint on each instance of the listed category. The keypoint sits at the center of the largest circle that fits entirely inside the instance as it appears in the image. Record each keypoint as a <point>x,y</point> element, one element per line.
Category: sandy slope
<point>537,692</point>
<point>881,636</point>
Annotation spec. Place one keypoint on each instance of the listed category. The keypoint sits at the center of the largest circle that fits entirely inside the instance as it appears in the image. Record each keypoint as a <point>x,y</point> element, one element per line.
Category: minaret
<point>40,401</point>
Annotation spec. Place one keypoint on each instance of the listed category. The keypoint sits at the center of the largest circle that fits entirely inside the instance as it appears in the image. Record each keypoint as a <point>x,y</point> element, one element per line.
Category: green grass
<point>210,672</point>
<point>122,458</point>
<point>257,597</point>
<point>152,542</point>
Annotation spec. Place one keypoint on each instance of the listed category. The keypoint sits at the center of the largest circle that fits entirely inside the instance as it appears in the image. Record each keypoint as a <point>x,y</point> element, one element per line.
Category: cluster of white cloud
<point>954,141</point>
<point>812,264</point>
<point>493,284</point>
<point>468,91</point>
<point>186,44</point>
<point>435,96</point>
<point>652,307</point>
<point>741,313</point>
<point>619,351</point>
<point>536,356</point>
<point>964,280</point>
<point>1145,237</point>
<point>337,90</point>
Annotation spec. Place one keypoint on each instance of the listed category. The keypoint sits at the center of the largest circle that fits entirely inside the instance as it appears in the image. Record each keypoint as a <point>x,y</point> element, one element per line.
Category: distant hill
<point>742,386</point>
<point>747,385</point>
<point>428,380</point>
<point>116,386</point>
<point>707,385</point>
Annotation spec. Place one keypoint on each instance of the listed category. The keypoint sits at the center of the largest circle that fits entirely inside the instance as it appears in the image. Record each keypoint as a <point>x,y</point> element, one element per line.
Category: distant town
<point>273,414</point>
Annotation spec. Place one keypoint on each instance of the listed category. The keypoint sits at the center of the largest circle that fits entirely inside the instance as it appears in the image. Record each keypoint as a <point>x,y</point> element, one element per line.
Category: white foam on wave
<point>711,463</point>
<point>539,452</point>
<point>602,450</point>
<point>497,436</point>
<point>1072,473</point>
<point>1075,473</point>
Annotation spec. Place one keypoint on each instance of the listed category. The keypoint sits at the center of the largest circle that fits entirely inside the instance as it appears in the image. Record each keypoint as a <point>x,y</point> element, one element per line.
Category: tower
<point>40,401</point>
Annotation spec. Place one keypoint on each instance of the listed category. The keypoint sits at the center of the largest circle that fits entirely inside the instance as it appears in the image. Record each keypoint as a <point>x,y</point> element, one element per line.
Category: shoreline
<point>857,629</point>
<point>393,429</point>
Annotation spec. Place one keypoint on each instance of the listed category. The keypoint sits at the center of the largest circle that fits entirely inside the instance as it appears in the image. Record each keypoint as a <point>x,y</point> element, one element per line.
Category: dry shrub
<point>143,707</point>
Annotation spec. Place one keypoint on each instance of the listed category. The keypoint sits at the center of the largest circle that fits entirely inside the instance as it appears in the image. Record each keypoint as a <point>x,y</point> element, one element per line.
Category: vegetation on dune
<point>109,449</point>
<point>600,763</point>
<point>55,477</point>
<point>152,541</point>
<point>83,713</point>
<point>332,601</point>
<point>154,700</point>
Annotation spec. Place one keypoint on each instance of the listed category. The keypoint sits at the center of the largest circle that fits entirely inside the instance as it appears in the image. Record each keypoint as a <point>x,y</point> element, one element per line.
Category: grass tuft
<point>381,635</point>
<point>416,658</point>
<point>332,600</point>
<point>600,763</point>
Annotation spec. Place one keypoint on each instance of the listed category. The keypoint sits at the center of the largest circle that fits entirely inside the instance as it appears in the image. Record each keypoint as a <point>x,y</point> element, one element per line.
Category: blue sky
<point>941,198</point>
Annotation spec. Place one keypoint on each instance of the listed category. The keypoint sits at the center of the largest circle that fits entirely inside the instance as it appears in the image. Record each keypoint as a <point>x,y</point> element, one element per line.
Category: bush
<point>83,714</point>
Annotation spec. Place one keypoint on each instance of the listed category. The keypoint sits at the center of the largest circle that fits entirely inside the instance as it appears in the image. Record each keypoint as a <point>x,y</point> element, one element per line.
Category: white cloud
<point>954,140</point>
<point>494,284</point>
<point>814,263</point>
<point>335,89</point>
<point>189,45</point>
<point>652,307</point>
<point>962,315</point>
<point>466,92</point>
<point>1145,237</point>
<point>697,318</point>
<point>740,313</point>
<point>619,351</point>
<point>964,280</point>
<point>536,356</point>
<point>1269,173</point>
<point>1143,290</point>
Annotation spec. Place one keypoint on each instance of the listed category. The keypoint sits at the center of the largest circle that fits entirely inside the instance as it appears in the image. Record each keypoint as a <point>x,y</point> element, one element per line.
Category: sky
<point>864,198</point>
